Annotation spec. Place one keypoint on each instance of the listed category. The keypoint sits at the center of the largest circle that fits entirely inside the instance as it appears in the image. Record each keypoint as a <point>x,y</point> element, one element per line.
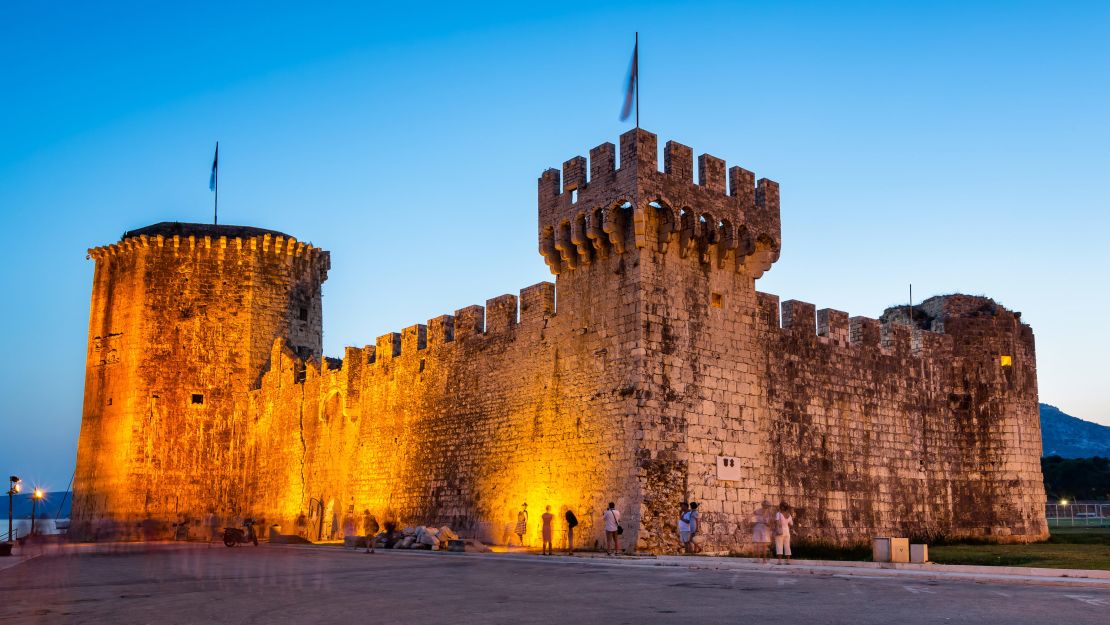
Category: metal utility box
<point>919,553</point>
<point>880,550</point>
<point>899,550</point>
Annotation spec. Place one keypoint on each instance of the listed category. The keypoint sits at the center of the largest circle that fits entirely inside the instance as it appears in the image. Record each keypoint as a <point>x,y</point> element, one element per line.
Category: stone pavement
<point>275,585</point>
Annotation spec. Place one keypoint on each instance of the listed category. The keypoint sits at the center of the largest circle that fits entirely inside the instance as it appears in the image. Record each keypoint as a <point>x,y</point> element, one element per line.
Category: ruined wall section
<point>887,429</point>
<point>196,304</point>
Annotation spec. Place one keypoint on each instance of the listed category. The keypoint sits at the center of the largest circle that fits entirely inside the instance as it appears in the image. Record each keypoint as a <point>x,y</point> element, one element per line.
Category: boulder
<point>475,545</point>
<point>354,542</point>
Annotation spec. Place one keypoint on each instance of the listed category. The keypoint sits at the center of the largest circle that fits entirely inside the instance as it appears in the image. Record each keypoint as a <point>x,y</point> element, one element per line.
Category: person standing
<point>684,525</point>
<point>547,531</point>
<point>572,522</point>
<point>613,529</point>
<point>761,530</point>
<point>784,520</point>
<point>371,527</point>
<point>522,523</point>
<point>693,517</point>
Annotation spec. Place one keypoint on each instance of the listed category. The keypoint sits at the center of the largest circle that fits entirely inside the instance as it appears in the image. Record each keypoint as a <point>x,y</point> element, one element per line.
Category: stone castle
<point>652,372</point>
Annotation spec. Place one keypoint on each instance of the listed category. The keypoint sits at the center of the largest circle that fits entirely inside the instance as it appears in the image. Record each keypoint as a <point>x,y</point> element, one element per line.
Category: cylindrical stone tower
<point>181,326</point>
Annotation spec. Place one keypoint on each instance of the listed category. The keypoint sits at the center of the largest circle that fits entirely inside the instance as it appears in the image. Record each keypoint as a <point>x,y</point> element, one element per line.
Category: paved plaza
<point>276,585</point>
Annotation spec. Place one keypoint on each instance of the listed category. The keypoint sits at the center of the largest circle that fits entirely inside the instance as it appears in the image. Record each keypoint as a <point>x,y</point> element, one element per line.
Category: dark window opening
<point>198,398</point>
<point>421,364</point>
<point>109,401</point>
<point>715,300</point>
<point>304,314</point>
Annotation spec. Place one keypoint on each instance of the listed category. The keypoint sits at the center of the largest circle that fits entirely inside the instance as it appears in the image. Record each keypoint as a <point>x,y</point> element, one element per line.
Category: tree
<point>1076,478</point>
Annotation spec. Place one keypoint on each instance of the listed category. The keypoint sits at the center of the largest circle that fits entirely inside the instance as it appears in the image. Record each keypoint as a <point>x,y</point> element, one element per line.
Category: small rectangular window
<point>109,401</point>
<point>715,300</point>
<point>198,398</point>
<point>304,314</point>
<point>1007,361</point>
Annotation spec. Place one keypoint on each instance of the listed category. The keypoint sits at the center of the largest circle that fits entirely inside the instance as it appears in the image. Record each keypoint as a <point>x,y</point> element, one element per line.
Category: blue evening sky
<point>959,146</point>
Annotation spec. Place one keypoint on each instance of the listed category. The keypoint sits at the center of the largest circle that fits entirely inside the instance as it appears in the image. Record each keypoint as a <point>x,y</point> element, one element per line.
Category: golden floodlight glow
<point>1064,502</point>
<point>1007,361</point>
<point>38,494</point>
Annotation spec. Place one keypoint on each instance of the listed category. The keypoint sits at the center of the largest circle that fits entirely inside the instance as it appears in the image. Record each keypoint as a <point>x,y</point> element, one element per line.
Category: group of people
<point>769,524</point>
<point>772,524</point>
<point>611,518</point>
<point>689,522</point>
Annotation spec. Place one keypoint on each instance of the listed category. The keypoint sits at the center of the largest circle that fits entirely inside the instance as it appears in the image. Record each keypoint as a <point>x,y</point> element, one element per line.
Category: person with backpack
<point>370,526</point>
<point>684,525</point>
<point>572,522</point>
<point>613,529</point>
<point>693,517</point>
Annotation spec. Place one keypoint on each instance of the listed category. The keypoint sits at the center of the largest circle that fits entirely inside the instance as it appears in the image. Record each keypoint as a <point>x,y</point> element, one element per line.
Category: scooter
<point>233,535</point>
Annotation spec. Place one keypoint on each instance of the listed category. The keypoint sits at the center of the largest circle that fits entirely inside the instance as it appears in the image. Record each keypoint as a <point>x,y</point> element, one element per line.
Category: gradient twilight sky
<point>959,146</point>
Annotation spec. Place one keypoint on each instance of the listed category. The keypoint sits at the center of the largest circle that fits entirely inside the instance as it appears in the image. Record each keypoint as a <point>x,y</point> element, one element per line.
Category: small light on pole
<point>36,496</point>
<point>13,488</point>
<point>1064,502</point>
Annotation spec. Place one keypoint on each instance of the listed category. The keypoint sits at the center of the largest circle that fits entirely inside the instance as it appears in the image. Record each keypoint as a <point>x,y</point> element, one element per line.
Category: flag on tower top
<point>632,88</point>
<point>215,166</point>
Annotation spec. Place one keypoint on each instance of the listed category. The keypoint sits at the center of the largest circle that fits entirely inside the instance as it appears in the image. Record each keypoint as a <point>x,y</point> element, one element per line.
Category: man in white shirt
<point>612,529</point>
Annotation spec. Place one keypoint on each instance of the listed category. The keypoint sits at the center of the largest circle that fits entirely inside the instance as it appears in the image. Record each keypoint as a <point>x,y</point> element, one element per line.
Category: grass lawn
<point>1078,548</point>
<point>1068,548</point>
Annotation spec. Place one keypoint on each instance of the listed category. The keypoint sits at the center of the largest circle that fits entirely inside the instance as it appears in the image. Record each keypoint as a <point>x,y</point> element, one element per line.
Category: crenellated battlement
<point>253,241</point>
<point>892,333</point>
<point>500,316</point>
<point>593,208</point>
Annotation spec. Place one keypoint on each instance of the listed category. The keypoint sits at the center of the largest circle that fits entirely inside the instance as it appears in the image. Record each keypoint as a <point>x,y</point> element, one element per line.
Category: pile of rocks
<point>423,537</point>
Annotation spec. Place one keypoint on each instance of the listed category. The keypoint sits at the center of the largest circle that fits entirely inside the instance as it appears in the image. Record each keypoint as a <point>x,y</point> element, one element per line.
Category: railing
<point>1078,514</point>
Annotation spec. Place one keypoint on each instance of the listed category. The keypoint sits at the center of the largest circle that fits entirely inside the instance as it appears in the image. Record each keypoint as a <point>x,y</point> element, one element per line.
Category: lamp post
<point>37,496</point>
<point>13,488</point>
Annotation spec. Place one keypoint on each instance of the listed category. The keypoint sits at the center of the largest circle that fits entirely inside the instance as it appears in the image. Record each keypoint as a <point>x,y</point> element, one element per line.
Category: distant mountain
<point>1071,437</point>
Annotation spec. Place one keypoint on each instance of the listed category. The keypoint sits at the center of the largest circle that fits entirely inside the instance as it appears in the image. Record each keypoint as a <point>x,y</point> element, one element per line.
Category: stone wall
<point>653,373</point>
<point>181,323</point>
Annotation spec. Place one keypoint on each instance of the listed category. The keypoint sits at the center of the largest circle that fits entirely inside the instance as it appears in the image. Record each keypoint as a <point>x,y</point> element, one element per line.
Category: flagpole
<point>216,199</point>
<point>637,49</point>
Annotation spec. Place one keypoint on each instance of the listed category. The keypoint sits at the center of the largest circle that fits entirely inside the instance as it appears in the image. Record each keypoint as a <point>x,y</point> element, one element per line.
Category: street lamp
<point>37,496</point>
<point>14,487</point>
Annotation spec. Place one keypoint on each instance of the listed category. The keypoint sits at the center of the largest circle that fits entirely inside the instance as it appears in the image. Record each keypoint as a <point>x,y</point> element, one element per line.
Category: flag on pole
<point>215,166</point>
<point>632,87</point>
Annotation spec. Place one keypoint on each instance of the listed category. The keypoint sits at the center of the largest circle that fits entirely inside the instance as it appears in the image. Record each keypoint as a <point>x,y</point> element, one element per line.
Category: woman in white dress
<point>761,530</point>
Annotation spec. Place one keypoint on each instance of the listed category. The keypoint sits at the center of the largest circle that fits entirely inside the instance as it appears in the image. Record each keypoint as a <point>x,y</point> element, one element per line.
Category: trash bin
<point>899,550</point>
<point>880,550</point>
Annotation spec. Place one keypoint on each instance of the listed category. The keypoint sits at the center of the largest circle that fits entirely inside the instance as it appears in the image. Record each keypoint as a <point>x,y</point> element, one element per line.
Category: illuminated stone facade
<point>652,374</point>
